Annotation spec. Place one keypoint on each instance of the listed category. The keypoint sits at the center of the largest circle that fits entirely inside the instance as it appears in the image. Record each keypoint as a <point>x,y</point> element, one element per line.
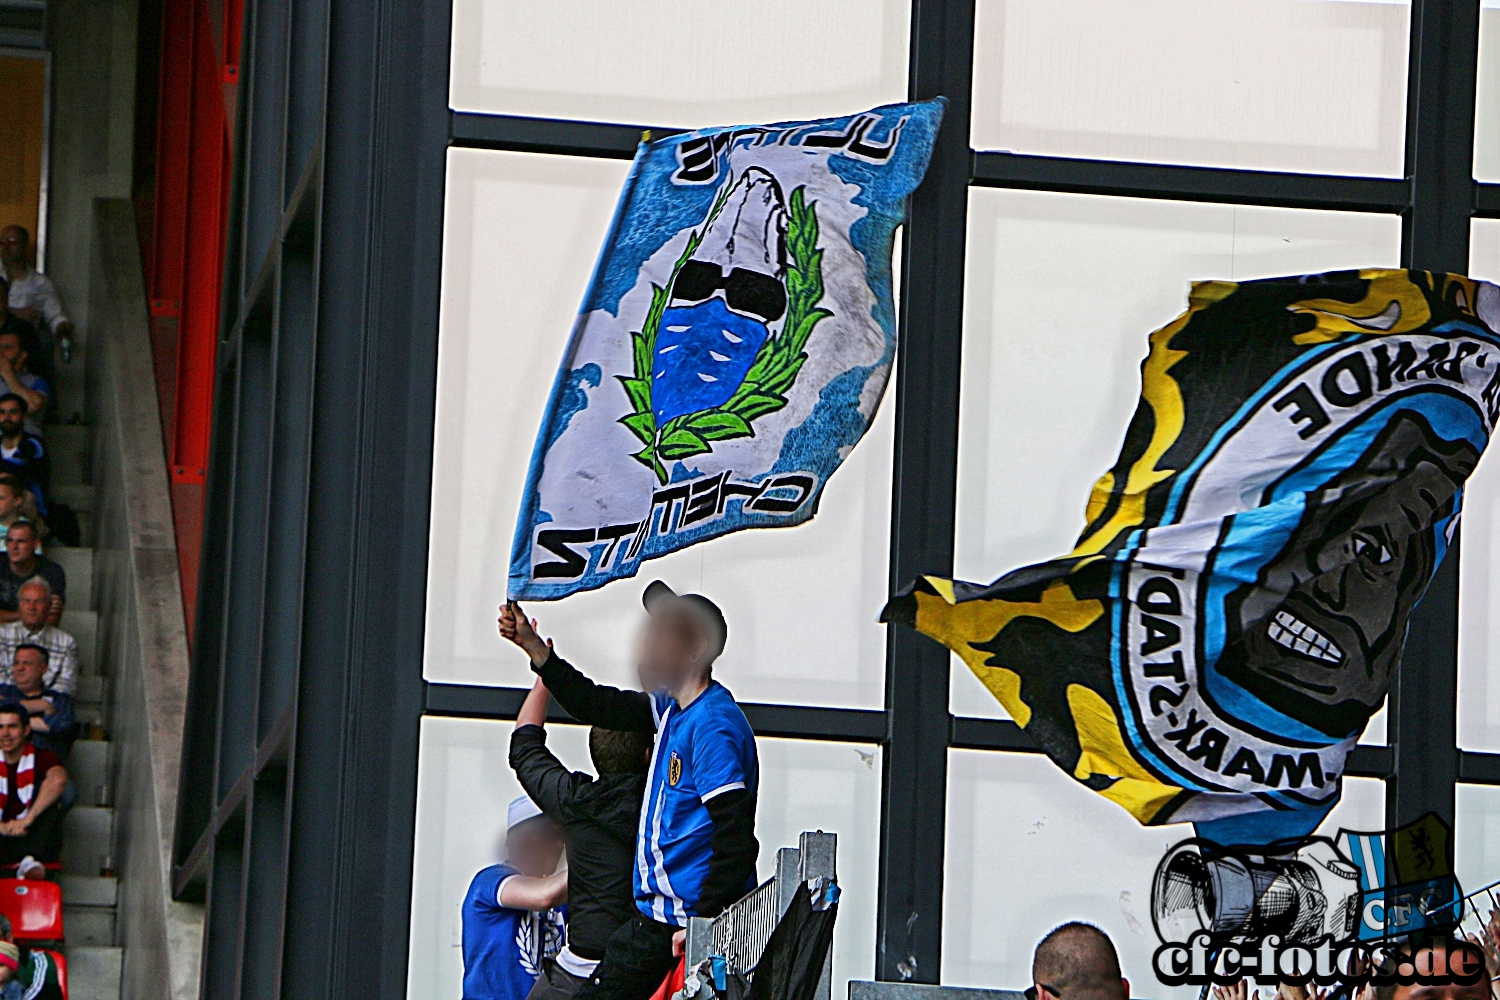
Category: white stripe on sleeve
<point>733,786</point>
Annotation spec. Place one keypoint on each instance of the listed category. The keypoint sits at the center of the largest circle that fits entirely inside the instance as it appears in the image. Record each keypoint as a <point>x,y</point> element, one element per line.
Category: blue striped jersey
<point>702,751</point>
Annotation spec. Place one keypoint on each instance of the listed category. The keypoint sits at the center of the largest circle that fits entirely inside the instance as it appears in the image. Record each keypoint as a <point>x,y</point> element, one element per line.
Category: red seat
<point>34,908</point>
<point>62,970</point>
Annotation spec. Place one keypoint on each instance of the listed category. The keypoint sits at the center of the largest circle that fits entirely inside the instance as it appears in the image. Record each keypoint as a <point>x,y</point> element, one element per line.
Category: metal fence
<point>740,934</point>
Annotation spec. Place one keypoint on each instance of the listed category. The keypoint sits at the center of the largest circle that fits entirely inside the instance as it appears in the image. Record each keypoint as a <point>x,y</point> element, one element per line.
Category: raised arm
<point>590,703</point>
<point>545,778</point>
<point>527,892</point>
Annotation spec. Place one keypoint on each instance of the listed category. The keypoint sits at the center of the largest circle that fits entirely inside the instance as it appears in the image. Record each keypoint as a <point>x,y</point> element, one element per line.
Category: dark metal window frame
<point>300,765</point>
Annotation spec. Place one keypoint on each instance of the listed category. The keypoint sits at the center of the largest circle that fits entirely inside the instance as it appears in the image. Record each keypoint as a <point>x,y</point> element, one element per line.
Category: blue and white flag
<point>732,348</point>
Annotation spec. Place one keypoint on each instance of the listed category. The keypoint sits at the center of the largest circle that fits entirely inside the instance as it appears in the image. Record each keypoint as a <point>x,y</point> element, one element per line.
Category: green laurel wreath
<point>775,367</point>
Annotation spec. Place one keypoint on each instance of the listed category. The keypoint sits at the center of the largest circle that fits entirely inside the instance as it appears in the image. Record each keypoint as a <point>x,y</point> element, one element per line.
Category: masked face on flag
<point>1236,605</point>
<point>734,343</point>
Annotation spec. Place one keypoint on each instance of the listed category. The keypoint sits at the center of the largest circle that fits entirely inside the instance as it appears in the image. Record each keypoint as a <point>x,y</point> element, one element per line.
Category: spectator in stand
<point>53,725</point>
<point>22,454</point>
<point>512,921</point>
<point>696,842</point>
<point>31,783</point>
<point>26,974</point>
<point>32,295</point>
<point>1077,961</point>
<point>23,564</point>
<point>18,504</point>
<point>599,818</point>
<point>34,601</point>
<point>18,378</point>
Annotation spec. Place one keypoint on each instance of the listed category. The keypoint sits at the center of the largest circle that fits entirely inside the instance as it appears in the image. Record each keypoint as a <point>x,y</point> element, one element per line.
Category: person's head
<point>15,726</point>
<point>533,843</point>
<point>683,637</point>
<point>15,245</point>
<point>10,961</point>
<point>11,348</point>
<point>1077,961</point>
<point>34,601</point>
<point>12,497</point>
<point>12,414</point>
<point>617,752</point>
<point>28,667</point>
<point>1458,959</point>
<point>6,933</point>
<point>20,542</point>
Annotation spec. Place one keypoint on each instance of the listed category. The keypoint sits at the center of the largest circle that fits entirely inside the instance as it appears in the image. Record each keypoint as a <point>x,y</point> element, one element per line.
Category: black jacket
<point>599,819</point>
<point>731,866</point>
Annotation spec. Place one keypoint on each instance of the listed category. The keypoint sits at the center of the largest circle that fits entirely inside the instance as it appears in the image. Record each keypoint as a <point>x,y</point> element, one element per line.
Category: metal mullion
<point>1184,183</point>
<point>1435,236</point>
<point>915,766</point>
<point>803,722</point>
<point>548,135</point>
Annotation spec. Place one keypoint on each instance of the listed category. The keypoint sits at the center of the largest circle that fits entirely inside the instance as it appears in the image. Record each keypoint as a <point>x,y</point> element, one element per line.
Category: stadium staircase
<point>88,879</point>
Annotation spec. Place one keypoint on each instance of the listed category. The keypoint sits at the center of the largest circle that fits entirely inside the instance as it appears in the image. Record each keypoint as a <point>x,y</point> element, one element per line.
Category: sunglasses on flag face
<point>744,290</point>
<point>1030,992</point>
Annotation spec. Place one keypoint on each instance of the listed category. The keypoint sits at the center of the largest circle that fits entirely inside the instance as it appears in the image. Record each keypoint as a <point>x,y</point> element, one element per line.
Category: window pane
<point>522,232</point>
<point>1476,839</point>
<point>464,784</point>
<point>1478,584</point>
<point>1317,87</point>
<point>1051,366</point>
<point>657,62</point>
<point>1487,107</point>
<point>1028,848</point>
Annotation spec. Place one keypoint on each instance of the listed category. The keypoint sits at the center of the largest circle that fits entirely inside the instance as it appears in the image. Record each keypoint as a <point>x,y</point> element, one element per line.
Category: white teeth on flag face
<point>727,336</point>
<point>708,378</point>
<point>717,356</point>
<point>676,329</point>
<point>1286,629</point>
<point>669,347</point>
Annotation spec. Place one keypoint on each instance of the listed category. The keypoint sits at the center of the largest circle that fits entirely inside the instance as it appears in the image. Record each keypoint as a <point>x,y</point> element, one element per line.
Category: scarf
<point>24,774</point>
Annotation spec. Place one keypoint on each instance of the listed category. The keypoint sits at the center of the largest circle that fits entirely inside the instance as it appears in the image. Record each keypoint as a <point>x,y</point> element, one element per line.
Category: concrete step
<point>78,563</point>
<point>88,837</point>
<point>72,453</point>
<point>91,689</point>
<point>76,495</point>
<point>88,766</point>
<point>89,890</point>
<point>90,925</point>
<point>93,972</point>
<point>83,626</point>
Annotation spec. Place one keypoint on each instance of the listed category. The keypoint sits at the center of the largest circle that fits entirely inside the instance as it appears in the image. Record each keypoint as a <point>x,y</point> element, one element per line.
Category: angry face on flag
<point>1236,605</point>
<point>733,346</point>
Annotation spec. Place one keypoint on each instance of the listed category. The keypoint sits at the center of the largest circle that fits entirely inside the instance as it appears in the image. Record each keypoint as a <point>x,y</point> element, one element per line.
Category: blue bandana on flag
<point>732,348</point>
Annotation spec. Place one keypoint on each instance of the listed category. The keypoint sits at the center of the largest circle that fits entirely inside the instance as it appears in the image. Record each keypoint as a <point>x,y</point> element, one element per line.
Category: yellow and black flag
<point>1234,609</point>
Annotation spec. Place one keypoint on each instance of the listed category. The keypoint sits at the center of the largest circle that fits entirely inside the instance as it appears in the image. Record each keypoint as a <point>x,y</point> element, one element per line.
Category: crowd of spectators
<point>38,659</point>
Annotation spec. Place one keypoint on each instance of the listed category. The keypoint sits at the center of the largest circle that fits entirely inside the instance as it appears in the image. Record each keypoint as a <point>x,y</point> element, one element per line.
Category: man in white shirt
<point>32,294</point>
<point>33,601</point>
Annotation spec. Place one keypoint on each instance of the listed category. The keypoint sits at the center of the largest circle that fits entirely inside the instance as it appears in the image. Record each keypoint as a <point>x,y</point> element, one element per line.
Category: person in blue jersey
<point>512,916</point>
<point>695,850</point>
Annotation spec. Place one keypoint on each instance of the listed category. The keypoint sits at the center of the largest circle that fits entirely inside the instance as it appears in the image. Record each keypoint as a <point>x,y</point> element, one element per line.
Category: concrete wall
<point>142,636</point>
<point>93,44</point>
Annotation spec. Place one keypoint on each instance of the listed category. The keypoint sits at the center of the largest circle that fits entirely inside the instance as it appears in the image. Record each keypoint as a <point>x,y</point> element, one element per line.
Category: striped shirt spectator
<point>34,600</point>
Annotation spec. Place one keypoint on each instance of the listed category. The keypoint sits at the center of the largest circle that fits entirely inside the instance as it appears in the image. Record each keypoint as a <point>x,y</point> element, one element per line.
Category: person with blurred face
<point>22,454</point>
<point>31,783</point>
<point>34,603</point>
<point>19,379</point>
<point>31,295</point>
<point>53,725</point>
<point>511,920</point>
<point>22,563</point>
<point>696,847</point>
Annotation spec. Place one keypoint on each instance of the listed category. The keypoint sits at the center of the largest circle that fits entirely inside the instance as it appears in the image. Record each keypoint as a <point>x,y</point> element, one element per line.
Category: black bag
<point>795,955</point>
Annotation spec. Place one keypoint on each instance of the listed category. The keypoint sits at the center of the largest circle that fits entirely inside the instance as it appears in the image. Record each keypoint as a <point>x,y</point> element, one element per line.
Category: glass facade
<point>1316,87</point>
<point>662,63</point>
